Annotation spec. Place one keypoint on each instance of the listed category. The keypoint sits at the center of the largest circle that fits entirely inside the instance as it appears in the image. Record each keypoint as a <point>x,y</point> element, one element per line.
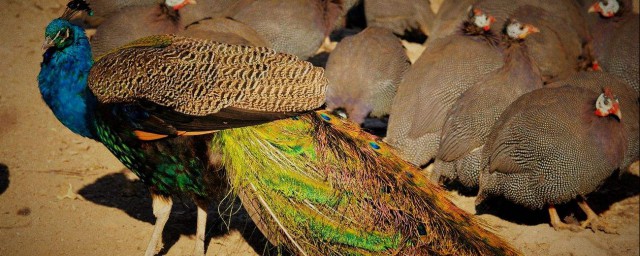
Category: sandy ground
<point>64,195</point>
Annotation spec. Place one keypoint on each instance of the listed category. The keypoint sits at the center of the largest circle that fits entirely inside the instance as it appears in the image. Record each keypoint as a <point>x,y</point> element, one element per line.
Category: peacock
<point>197,118</point>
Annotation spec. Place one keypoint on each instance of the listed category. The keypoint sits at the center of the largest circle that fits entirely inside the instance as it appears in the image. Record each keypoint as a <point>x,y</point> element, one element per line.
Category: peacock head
<point>60,32</point>
<point>178,4</point>
<point>481,19</point>
<point>607,104</point>
<point>606,8</point>
<point>518,31</point>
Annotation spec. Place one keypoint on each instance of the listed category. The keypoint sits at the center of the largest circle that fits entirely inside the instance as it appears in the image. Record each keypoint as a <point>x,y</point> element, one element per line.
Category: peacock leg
<point>557,223</point>
<point>161,209</point>
<point>198,250</point>
<point>593,220</point>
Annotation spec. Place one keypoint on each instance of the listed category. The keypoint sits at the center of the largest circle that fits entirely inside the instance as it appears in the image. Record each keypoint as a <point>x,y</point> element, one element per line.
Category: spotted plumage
<point>447,68</point>
<point>468,122</point>
<point>549,147</point>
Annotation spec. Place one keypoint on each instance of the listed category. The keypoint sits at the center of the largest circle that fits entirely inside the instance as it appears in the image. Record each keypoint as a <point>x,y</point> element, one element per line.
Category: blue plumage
<point>63,78</point>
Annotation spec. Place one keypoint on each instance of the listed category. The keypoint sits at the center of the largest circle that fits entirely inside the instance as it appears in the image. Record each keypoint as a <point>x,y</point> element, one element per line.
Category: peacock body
<point>191,116</point>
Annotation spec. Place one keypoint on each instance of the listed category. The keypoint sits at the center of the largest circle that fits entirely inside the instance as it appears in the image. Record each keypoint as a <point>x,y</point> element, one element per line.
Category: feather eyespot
<point>422,230</point>
<point>325,117</point>
<point>374,145</point>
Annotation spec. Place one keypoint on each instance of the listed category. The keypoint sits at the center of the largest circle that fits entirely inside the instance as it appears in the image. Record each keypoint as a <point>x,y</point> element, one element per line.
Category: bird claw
<point>565,226</point>
<point>598,225</point>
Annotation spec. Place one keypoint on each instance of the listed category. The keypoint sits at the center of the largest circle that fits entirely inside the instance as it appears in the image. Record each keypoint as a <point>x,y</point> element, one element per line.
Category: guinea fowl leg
<point>557,223</point>
<point>592,221</point>
<point>161,209</point>
<point>198,250</point>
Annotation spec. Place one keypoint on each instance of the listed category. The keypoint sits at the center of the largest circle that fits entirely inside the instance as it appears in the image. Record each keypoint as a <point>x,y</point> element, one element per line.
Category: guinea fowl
<point>553,145</point>
<point>102,9</point>
<point>615,39</point>
<point>193,117</point>
<point>206,9</point>
<point>296,27</point>
<point>224,30</point>
<point>447,19</point>
<point>628,97</point>
<point>399,16</point>
<point>447,68</point>
<point>136,22</point>
<point>364,71</point>
<point>469,121</point>
<point>558,48</point>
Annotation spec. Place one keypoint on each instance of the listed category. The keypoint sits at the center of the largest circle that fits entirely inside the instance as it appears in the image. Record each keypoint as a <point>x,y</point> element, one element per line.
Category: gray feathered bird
<point>399,16</point>
<point>294,26</point>
<point>469,121</point>
<point>135,22</point>
<point>628,97</point>
<point>447,68</point>
<point>224,30</point>
<point>554,145</point>
<point>615,42</point>
<point>364,71</point>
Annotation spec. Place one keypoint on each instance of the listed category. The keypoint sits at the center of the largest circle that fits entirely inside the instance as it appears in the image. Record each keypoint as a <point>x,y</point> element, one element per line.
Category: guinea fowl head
<point>477,23</point>
<point>178,4</point>
<point>518,31</point>
<point>607,104</point>
<point>481,19</point>
<point>606,8</point>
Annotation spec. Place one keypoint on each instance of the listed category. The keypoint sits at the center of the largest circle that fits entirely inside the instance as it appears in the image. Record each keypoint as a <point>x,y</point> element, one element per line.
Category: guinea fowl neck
<point>63,83</point>
<point>518,61</point>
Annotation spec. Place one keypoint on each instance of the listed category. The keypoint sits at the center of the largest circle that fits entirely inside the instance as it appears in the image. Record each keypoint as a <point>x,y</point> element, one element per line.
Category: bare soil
<point>61,194</point>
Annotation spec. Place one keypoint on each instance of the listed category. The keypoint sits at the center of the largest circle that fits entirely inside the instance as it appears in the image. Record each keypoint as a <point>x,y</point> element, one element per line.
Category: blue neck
<point>63,84</point>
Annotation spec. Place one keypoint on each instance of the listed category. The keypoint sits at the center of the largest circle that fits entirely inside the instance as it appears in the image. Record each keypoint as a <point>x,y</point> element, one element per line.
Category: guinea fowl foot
<point>557,224</point>
<point>593,220</point>
<point>161,209</point>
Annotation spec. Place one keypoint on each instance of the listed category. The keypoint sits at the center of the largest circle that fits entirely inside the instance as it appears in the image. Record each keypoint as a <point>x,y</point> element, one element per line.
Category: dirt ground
<point>61,194</point>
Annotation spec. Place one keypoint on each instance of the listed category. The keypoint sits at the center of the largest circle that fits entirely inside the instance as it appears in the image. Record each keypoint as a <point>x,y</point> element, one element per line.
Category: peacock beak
<point>48,43</point>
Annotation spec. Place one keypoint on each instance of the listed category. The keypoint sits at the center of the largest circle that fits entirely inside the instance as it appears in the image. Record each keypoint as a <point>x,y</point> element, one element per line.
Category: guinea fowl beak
<point>491,21</point>
<point>618,113</point>
<point>595,8</point>
<point>528,29</point>
<point>183,4</point>
<point>48,43</point>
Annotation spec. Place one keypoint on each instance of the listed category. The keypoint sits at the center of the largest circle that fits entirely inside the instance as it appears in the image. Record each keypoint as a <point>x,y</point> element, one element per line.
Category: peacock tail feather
<point>321,185</point>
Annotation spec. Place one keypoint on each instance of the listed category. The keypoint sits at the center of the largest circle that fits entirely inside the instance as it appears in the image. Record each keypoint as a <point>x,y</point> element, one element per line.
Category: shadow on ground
<point>615,189</point>
<point>132,197</point>
<point>4,178</point>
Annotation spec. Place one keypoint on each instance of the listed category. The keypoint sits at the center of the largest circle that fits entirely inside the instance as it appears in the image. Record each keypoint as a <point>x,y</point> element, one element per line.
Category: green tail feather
<point>319,185</point>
